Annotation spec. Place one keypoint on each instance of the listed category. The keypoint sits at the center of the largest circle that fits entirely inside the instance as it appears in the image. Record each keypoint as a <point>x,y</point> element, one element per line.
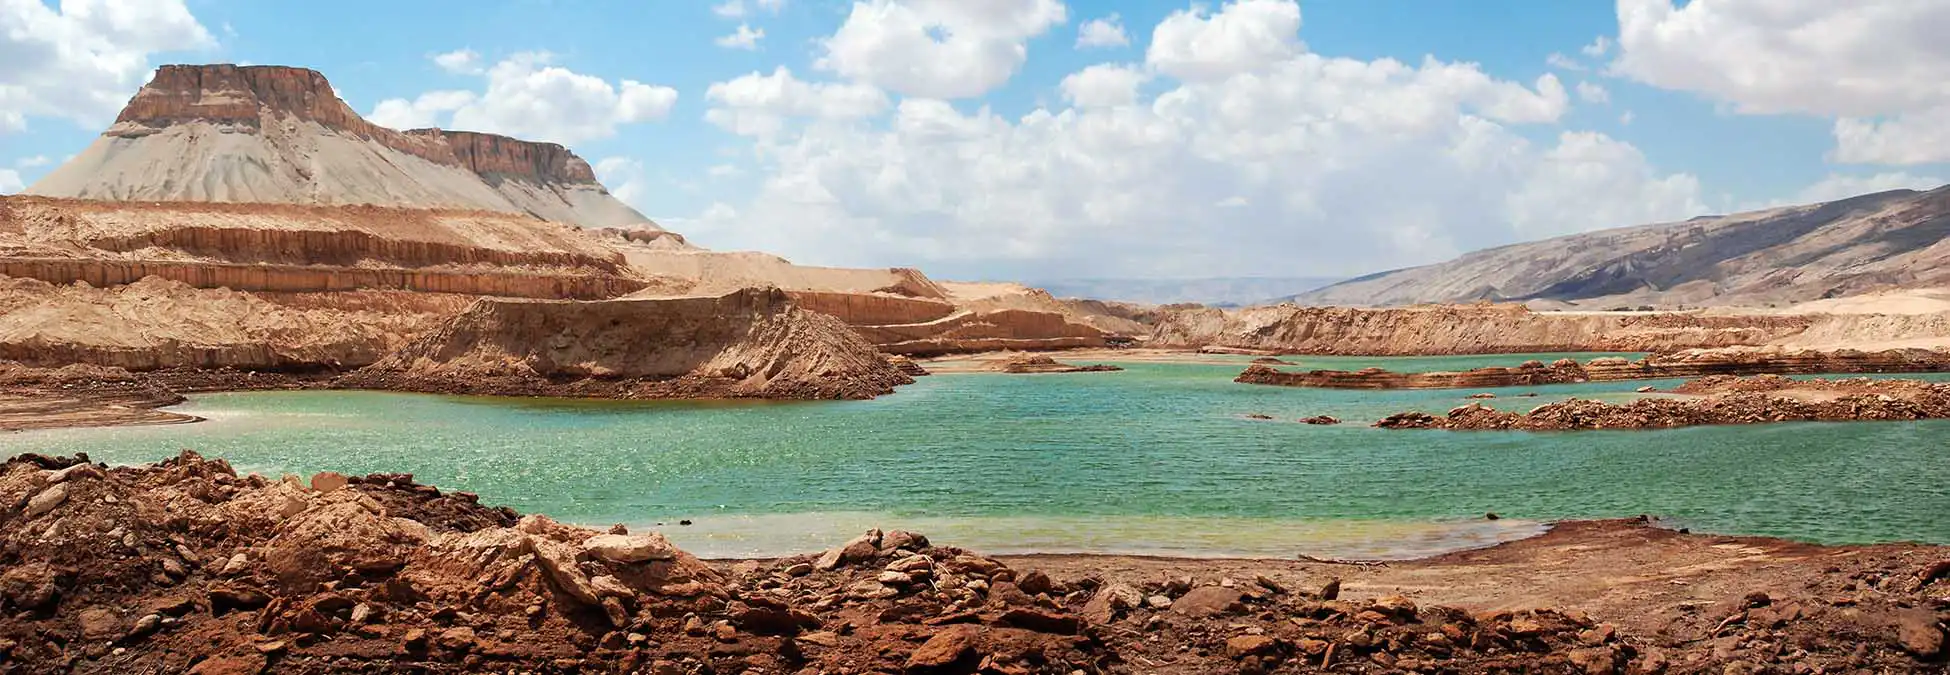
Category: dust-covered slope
<point>225,133</point>
<point>749,343</point>
<point>1791,254</point>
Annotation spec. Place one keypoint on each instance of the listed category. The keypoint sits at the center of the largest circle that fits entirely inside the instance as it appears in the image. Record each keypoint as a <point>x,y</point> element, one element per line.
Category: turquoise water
<point>1156,459</point>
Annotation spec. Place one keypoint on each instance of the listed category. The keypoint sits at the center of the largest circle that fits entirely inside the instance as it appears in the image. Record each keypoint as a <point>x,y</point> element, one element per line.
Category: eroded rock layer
<point>1720,400</point>
<point>1461,329</point>
<point>1691,363</point>
<point>751,343</point>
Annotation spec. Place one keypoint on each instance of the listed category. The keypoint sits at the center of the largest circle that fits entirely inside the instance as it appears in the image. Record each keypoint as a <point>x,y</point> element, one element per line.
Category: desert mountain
<point>1872,242</point>
<point>225,133</point>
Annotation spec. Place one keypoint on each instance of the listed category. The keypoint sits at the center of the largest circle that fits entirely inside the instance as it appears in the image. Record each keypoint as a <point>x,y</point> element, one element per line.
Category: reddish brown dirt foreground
<point>184,566</point>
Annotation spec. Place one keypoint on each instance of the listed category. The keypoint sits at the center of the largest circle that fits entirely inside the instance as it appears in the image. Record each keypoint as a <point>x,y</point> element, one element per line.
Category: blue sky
<point>1256,137</point>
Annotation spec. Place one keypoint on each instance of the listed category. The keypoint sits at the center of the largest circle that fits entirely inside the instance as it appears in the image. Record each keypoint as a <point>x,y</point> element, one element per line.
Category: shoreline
<point>379,572</point>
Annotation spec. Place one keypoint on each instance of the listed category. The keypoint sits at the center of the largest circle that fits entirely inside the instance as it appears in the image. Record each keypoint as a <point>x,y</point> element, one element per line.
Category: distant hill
<point>1791,254</point>
<point>1211,291</point>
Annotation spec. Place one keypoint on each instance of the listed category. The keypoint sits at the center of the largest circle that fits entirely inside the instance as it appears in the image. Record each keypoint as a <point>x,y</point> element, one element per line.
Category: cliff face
<point>1468,329</point>
<point>277,134</point>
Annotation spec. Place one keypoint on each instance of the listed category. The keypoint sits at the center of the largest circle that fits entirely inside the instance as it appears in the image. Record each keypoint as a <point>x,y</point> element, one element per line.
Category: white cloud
<point>1245,35</point>
<point>724,171</point>
<point>745,37</point>
<point>625,178</point>
<point>1328,164</point>
<point>761,105</point>
<point>10,182</point>
<point>1882,67</point>
<point>528,98</point>
<point>1625,118</point>
<point>1598,47</point>
<point>1593,93</point>
<point>1104,85</point>
<point>1921,137</point>
<point>736,9</point>
<point>1105,32</point>
<point>1562,62</point>
<point>459,62</point>
<point>84,60</point>
<point>937,48</point>
<point>31,162</point>
<point>419,113</point>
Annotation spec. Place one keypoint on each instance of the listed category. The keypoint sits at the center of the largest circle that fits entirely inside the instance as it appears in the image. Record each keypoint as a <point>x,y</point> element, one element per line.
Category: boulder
<point>950,645</point>
<point>346,535</point>
<point>328,481</point>
<point>1208,601</point>
<point>46,500</point>
<point>863,547</point>
<point>1918,632</point>
<point>31,586</point>
<point>630,548</point>
<point>1110,601</point>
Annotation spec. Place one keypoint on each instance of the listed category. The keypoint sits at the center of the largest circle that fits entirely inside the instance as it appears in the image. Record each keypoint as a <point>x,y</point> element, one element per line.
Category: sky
<point>1039,139</point>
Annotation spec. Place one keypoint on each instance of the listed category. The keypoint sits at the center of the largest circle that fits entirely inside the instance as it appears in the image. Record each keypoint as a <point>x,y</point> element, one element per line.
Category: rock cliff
<point>1461,329</point>
<point>751,343</point>
<point>231,133</point>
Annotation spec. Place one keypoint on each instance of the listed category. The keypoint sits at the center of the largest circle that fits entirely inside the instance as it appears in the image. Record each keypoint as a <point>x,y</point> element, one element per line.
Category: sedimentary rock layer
<point>752,343</point>
<point>1692,363</point>
<point>1723,400</point>
<point>225,133</point>
<point>973,331</point>
<point>1460,329</point>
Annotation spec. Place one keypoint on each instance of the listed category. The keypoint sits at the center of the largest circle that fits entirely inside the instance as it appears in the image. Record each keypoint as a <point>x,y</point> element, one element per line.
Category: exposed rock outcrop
<point>1043,364</point>
<point>752,343</point>
<point>226,133</point>
<point>1691,363</point>
<point>1722,400</point>
<point>1460,329</point>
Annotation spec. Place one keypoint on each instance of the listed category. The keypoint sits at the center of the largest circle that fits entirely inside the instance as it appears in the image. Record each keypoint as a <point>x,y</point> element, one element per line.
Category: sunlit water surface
<point>1158,459</point>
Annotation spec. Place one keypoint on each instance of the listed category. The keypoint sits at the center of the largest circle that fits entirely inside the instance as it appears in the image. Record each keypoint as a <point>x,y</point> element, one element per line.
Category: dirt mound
<point>184,566</point>
<point>751,343</point>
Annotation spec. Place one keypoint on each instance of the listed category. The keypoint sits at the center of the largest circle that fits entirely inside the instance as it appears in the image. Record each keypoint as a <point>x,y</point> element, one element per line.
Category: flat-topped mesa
<point>278,134</point>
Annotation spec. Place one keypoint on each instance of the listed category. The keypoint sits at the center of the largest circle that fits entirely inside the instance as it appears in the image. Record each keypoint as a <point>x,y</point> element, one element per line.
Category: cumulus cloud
<point>737,9</point>
<point>34,161</point>
<point>459,62</point>
<point>10,182</point>
<point>527,97</point>
<point>1104,85</point>
<point>626,179</point>
<point>745,37</point>
<point>937,48</point>
<point>424,111</point>
<point>1562,62</point>
<point>1593,93</point>
<point>1104,32</point>
<point>1881,66</point>
<point>82,60</point>
<point>762,105</point>
<point>1841,186</point>
<point>1253,156</point>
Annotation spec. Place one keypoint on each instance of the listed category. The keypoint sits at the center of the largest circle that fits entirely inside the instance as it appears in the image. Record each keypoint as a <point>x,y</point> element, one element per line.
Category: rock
<point>1041,621</point>
<point>236,565</point>
<point>328,481</point>
<point>630,548</point>
<point>46,500</point>
<point>558,560</point>
<point>226,598</point>
<point>799,570</point>
<point>1208,601</point>
<point>952,644</point>
<point>149,623</point>
<point>863,547</point>
<point>1321,420</point>
<point>32,586</point>
<point>1110,601</point>
<point>1269,584</point>
<point>821,638</point>
<point>1250,645</point>
<point>1596,660</point>
<point>619,616</point>
<point>610,587</point>
<point>347,533</point>
<point>363,613</point>
<point>1331,590</point>
<point>910,564</point>
<point>1917,630</point>
<point>77,472</point>
<point>1647,389</point>
<point>414,640</point>
<point>458,639</point>
<point>903,539</point>
<point>871,590</point>
<point>1396,605</point>
<point>1035,582</point>
<point>98,623</point>
<point>243,664</point>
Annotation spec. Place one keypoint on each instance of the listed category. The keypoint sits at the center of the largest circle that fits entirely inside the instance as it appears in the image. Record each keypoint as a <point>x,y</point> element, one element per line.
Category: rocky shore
<point>1044,364</point>
<point>1721,399</point>
<point>185,566</point>
<point>1689,363</point>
